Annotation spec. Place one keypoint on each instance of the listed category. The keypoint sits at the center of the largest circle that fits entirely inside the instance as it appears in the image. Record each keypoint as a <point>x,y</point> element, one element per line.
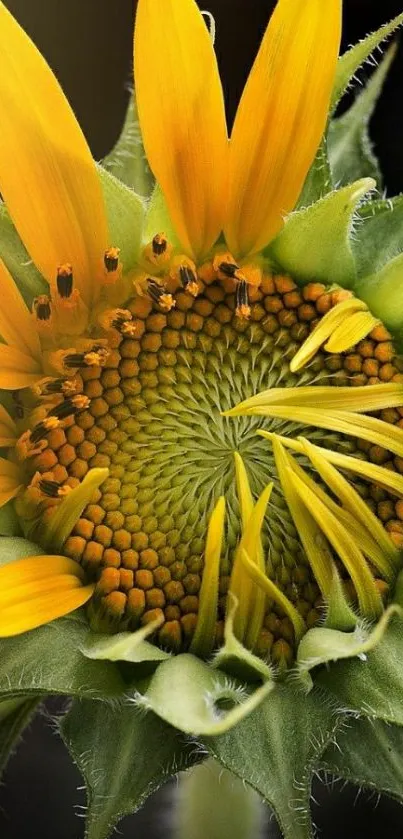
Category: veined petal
<point>16,323</point>
<point>38,590</point>
<point>182,117</point>
<point>47,175</point>
<point>281,119</point>
<point>17,369</point>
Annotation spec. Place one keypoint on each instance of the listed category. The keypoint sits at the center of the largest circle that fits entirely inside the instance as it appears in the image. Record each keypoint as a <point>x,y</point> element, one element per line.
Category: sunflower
<point>206,442</point>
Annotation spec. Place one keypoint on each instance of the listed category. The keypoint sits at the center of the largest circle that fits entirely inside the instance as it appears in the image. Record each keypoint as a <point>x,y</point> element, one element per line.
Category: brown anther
<point>111,259</point>
<point>40,431</point>
<point>64,280</point>
<point>25,448</point>
<point>47,387</point>
<point>242,309</point>
<point>53,489</point>
<point>159,244</point>
<point>71,406</point>
<point>189,280</point>
<point>160,296</point>
<point>42,308</point>
<point>232,271</point>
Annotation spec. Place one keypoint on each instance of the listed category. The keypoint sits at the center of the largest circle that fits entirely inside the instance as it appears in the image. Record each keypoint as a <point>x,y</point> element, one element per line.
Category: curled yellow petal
<point>48,178</point>
<point>182,117</point>
<point>203,639</point>
<point>281,119</point>
<point>37,590</point>
<point>350,333</point>
<point>326,327</point>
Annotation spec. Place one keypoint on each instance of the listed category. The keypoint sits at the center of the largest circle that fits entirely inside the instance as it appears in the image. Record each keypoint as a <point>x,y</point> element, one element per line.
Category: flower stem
<point>211,802</point>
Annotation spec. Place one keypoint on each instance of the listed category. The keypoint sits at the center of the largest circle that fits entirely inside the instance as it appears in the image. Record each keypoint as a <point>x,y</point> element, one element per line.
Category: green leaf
<point>383,294</point>
<point>352,60</point>
<point>276,749</point>
<point>158,219</point>
<point>15,714</point>
<point>319,179</point>
<point>315,243</point>
<point>127,160</point>
<point>350,150</point>
<point>19,263</point>
<point>368,753</point>
<point>126,215</point>
<point>321,645</point>
<point>378,237</point>
<point>373,686</point>
<point>189,695</point>
<point>48,660</point>
<point>9,522</point>
<point>124,756</point>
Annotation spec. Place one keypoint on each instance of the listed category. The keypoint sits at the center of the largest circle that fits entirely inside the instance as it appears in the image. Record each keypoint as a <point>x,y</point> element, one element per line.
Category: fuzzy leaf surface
<point>368,753</point>
<point>350,150</point>
<point>315,243</point>
<point>379,235</point>
<point>319,178</point>
<point>127,160</point>
<point>373,686</point>
<point>126,213</point>
<point>352,60</point>
<point>15,715</point>
<point>276,749</point>
<point>124,756</point>
<point>48,661</point>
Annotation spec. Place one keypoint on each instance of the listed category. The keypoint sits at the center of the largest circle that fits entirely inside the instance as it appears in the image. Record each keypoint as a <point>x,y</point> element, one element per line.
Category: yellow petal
<point>281,119</point>
<point>38,590</point>
<point>203,639</point>
<point>8,428</point>
<point>17,369</point>
<point>47,176</point>
<point>181,111</point>
<point>16,323</point>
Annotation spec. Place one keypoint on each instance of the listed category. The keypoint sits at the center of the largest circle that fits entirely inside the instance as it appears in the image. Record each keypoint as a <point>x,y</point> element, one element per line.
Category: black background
<point>88,43</point>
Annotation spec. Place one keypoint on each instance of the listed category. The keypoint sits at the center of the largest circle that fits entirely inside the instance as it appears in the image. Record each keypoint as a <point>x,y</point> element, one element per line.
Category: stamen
<point>159,244</point>
<point>42,308</point>
<point>242,309</point>
<point>231,270</point>
<point>49,386</point>
<point>26,448</point>
<point>42,429</point>
<point>65,280</point>
<point>71,407</point>
<point>111,259</point>
<point>160,296</point>
<point>53,489</point>
<point>96,357</point>
<point>189,281</point>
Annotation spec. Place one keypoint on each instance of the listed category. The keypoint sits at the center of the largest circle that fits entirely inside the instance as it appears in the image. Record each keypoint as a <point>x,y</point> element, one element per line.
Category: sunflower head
<point>202,422</point>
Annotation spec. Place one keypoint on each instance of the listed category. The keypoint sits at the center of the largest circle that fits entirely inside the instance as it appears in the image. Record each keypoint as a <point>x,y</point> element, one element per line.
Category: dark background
<point>88,43</point>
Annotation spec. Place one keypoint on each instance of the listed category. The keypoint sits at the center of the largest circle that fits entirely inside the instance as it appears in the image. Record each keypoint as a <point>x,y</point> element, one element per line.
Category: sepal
<point>378,237</point>
<point>124,646</point>
<point>315,243</point>
<point>188,694</point>
<point>383,294</point>
<point>19,263</point>
<point>350,150</point>
<point>126,216</point>
<point>127,161</point>
<point>124,756</point>
<point>368,753</point>
<point>321,645</point>
<point>15,715</point>
<point>292,731</point>
<point>352,60</point>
